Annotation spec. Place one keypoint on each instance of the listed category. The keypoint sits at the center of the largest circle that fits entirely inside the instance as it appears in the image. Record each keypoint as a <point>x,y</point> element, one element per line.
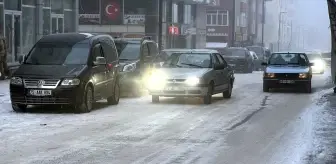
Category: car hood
<point>287,69</point>
<point>182,73</point>
<point>49,71</point>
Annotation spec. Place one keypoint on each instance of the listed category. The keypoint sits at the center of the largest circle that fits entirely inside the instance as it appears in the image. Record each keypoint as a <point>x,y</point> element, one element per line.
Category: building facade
<point>23,22</point>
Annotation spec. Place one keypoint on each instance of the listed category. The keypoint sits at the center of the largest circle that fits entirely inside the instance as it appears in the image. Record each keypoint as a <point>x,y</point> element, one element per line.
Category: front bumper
<point>61,95</point>
<point>181,91</point>
<point>279,83</point>
<point>129,81</point>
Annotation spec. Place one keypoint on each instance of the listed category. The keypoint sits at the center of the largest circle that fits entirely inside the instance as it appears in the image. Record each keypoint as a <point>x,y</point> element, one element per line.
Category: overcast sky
<point>313,14</point>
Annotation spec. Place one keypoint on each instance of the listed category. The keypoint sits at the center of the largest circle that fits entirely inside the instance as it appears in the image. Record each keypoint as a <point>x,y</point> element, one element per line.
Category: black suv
<point>239,59</point>
<point>136,56</point>
<point>67,69</point>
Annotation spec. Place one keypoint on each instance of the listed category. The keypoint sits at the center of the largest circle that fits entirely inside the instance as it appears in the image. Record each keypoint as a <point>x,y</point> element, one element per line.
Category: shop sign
<point>136,19</point>
<point>88,12</point>
<point>188,30</point>
<point>173,30</point>
<point>217,31</point>
<point>111,12</point>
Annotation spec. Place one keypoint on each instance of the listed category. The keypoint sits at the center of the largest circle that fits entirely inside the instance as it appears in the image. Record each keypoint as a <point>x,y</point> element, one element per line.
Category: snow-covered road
<point>251,128</point>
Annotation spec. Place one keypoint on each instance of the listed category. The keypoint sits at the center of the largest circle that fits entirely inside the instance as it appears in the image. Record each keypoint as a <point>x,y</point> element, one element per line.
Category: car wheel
<point>155,99</point>
<point>19,108</point>
<point>87,103</point>
<point>308,87</point>
<point>207,98</point>
<point>265,87</point>
<point>228,93</point>
<point>251,69</point>
<point>114,99</point>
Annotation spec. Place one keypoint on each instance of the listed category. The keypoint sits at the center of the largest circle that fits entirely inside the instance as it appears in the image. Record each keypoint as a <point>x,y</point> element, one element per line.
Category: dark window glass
<point>187,60</point>
<point>57,6</point>
<point>128,51</point>
<point>47,3</point>
<point>59,53</point>
<point>13,5</point>
<point>108,51</point>
<point>97,52</point>
<point>220,59</point>
<point>215,60</point>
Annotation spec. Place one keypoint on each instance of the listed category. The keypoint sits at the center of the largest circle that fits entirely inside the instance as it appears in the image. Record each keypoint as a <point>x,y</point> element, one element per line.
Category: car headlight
<point>303,75</point>
<point>16,81</point>
<point>269,75</point>
<point>157,80</point>
<point>71,82</point>
<point>192,81</point>
<point>129,67</point>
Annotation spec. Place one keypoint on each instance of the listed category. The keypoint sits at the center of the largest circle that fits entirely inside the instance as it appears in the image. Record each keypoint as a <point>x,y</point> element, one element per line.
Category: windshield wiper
<point>192,65</point>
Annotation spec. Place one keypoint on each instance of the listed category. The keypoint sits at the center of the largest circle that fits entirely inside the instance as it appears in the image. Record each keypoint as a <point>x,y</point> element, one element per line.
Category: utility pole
<point>279,28</point>
<point>263,23</point>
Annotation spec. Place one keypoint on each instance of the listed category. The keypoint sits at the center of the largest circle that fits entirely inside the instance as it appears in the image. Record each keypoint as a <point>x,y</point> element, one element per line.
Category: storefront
<point>23,22</point>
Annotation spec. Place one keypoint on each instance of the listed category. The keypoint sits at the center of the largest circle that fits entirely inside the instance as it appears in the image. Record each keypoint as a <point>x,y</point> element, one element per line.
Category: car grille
<point>41,83</point>
<point>287,75</point>
<point>39,100</point>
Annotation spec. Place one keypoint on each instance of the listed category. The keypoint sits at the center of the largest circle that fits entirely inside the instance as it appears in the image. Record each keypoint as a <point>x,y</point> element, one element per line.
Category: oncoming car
<point>287,69</point>
<point>319,63</point>
<point>67,69</point>
<point>198,73</point>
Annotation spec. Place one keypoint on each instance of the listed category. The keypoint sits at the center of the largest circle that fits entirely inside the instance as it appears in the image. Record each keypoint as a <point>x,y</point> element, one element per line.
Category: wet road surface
<point>250,128</point>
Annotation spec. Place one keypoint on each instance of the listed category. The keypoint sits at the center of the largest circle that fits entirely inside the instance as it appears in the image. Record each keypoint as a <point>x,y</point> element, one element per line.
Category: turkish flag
<point>111,12</point>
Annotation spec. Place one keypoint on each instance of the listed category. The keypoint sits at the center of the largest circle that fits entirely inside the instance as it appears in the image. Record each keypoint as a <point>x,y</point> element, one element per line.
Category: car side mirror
<point>264,63</point>
<point>100,61</point>
<point>219,66</point>
<point>21,59</point>
<point>311,64</point>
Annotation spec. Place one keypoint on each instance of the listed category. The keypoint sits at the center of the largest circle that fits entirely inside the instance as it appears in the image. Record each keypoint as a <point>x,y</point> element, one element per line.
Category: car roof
<point>191,50</point>
<point>70,37</point>
<point>286,52</point>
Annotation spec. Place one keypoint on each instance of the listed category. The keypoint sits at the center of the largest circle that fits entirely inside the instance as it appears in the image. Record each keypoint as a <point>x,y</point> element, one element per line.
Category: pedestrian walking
<point>3,59</point>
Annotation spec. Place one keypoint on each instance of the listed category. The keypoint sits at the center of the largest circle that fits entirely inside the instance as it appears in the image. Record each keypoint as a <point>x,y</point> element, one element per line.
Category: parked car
<point>196,73</point>
<point>239,59</point>
<point>319,62</point>
<point>67,69</point>
<point>136,56</point>
<point>256,60</point>
<point>288,69</point>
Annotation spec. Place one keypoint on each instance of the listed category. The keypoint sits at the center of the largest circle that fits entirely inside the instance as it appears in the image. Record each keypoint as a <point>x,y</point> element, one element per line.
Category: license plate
<point>173,88</point>
<point>40,92</point>
<point>287,81</point>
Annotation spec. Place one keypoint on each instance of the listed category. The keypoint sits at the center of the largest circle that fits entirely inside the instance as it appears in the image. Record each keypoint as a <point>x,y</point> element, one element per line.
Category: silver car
<point>197,73</point>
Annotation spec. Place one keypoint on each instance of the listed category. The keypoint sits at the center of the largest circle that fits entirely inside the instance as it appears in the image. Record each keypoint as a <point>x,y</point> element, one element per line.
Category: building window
<point>187,14</point>
<point>28,30</point>
<point>46,21</point>
<point>13,5</point>
<point>243,20</point>
<point>28,2</point>
<point>47,3</point>
<point>175,13</point>
<point>68,4</point>
<point>217,18</point>
<point>69,21</point>
<point>57,6</point>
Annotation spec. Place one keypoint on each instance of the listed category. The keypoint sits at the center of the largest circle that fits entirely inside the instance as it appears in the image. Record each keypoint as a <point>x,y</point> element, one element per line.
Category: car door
<point>98,73</point>
<point>225,77</point>
<point>111,55</point>
<point>218,74</point>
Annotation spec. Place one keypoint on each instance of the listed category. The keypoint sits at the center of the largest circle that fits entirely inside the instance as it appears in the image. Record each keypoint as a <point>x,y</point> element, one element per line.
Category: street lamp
<point>279,28</point>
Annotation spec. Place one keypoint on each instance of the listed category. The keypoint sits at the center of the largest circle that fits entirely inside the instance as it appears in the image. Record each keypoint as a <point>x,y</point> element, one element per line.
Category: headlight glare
<point>157,80</point>
<point>192,81</point>
<point>71,82</point>
<point>269,75</point>
<point>303,75</point>
<point>16,81</point>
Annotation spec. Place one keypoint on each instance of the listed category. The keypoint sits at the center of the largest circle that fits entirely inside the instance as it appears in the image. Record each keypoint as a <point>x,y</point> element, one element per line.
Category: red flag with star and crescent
<point>111,12</point>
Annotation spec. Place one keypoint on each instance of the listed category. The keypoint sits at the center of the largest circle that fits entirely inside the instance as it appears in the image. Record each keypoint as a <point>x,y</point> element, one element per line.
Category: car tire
<point>308,87</point>
<point>155,99</point>
<point>208,98</point>
<point>251,68</point>
<point>227,94</point>
<point>265,87</point>
<point>19,108</point>
<point>114,99</point>
<point>87,103</point>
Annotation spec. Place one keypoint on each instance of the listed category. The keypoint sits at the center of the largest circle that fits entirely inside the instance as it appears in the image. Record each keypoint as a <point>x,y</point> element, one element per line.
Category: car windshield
<point>188,60</point>
<point>234,52</point>
<point>257,50</point>
<point>288,59</point>
<point>128,51</point>
<point>59,53</point>
<point>312,56</point>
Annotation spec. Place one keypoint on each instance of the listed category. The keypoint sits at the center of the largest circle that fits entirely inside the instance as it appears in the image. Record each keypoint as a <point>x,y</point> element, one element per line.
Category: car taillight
<point>109,66</point>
